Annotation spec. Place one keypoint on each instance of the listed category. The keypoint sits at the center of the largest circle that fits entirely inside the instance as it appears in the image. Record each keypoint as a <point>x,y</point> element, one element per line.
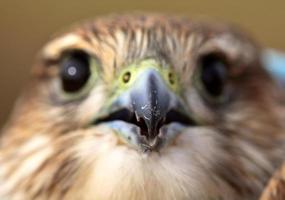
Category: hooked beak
<point>148,114</point>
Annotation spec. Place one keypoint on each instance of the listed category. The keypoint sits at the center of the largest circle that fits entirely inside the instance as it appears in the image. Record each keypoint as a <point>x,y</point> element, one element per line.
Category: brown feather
<point>50,151</point>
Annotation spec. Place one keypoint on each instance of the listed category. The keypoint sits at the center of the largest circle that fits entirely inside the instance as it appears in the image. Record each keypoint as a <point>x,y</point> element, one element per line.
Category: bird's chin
<point>179,171</point>
<point>134,136</point>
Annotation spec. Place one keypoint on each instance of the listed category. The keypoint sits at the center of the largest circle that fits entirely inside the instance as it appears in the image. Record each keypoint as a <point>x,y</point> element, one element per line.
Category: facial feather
<point>49,150</point>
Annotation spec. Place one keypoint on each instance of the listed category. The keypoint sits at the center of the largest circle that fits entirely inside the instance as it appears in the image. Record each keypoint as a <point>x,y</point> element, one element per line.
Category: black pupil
<point>213,74</point>
<point>75,71</point>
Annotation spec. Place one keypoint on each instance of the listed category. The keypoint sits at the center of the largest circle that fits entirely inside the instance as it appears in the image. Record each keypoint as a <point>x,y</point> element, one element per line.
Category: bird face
<point>145,108</point>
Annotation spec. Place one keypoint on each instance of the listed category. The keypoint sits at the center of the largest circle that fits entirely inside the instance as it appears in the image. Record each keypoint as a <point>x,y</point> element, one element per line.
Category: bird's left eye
<point>75,71</point>
<point>213,75</point>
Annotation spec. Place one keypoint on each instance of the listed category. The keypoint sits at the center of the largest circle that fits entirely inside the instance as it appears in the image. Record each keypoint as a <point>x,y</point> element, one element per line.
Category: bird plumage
<point>51,150</point>
<point>275,189</point>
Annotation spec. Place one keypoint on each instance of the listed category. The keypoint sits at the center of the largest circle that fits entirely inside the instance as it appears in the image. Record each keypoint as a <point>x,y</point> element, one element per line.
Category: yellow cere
<point>130,74</point>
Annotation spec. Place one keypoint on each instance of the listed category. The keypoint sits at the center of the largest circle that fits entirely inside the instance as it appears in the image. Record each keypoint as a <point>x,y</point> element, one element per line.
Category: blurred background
<point>26,25</point>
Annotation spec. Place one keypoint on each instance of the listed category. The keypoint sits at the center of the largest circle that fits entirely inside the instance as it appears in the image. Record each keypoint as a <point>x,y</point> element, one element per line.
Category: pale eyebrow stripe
<point>54,49</point>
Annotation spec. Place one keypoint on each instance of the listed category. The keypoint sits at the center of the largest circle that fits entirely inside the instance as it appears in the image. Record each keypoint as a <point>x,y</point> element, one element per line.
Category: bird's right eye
<point>75,71</point>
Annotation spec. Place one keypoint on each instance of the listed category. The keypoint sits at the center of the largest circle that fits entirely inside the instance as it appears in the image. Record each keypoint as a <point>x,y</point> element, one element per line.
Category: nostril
<point>126,77</point>
<point>171,78</point>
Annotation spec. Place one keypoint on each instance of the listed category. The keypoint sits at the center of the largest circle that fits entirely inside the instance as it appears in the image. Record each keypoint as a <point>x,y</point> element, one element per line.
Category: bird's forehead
<point>116,42</point>
<point>123,45</point>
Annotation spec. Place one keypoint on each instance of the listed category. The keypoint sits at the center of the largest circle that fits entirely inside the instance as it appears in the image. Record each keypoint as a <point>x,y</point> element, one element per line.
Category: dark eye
<point>75,71</point>
<point>213,74</point>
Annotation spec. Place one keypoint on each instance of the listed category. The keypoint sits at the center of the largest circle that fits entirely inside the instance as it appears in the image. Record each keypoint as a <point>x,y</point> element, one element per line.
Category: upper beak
<point>151,101</point>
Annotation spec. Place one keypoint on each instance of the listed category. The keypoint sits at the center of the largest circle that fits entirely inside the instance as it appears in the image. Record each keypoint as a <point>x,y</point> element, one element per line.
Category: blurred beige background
<point>25,25</point>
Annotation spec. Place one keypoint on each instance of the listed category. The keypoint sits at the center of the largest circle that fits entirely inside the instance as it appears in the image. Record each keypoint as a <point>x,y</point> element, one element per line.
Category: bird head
<point>133,103</point>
